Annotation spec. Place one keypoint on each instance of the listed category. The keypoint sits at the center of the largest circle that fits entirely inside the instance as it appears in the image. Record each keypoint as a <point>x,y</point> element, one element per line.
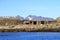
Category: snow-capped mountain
<point>33,17</point>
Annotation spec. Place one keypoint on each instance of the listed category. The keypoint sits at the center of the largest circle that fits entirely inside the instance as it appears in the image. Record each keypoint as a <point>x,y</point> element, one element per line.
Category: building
<point>38,22</point>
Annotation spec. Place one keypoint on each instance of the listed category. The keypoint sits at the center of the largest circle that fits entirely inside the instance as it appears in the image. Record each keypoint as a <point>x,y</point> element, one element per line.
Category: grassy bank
<point>31,28</point>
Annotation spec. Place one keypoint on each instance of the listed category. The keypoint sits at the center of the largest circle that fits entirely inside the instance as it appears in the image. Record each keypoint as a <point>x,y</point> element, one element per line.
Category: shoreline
<point>31,28</point>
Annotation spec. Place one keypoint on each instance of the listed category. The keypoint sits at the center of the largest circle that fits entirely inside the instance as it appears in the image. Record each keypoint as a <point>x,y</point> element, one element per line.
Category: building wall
<point>36,22</point>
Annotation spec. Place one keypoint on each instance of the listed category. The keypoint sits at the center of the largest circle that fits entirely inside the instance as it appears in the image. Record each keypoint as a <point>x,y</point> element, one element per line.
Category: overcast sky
<point>45,8</point>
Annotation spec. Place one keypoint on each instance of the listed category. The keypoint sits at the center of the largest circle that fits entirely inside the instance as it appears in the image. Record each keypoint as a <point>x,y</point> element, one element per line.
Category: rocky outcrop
<point>58,19</point>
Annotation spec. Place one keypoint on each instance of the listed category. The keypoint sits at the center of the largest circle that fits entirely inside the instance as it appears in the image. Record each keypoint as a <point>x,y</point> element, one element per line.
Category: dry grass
<point>28,28</point>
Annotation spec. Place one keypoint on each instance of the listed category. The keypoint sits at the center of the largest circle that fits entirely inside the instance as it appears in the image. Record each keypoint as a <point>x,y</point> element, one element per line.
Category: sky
<point>45,8</point>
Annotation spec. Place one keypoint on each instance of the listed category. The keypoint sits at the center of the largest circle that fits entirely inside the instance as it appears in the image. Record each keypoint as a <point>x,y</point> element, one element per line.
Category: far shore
<point>31,28</point>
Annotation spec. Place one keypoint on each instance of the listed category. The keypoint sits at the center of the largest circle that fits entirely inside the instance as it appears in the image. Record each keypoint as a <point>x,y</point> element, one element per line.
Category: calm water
<point>30,36</point>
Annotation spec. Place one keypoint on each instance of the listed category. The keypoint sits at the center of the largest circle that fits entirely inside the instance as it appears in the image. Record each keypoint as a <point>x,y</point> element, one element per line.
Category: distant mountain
<point>33,17</point>
<point>19,17</point>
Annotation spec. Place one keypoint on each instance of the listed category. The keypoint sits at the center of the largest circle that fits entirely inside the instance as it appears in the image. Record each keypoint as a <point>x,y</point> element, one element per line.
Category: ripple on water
<point>30,36</point>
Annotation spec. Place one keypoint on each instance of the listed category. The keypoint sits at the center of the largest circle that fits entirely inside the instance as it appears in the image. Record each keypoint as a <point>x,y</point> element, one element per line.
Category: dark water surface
<point>30,36</point>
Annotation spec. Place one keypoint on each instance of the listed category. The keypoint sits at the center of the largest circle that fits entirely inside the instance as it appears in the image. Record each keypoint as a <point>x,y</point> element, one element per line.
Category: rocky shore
<point>31,28</point>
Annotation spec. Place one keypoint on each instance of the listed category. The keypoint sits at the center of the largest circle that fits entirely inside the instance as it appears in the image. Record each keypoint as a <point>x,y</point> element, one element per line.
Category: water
<point>30,36</point>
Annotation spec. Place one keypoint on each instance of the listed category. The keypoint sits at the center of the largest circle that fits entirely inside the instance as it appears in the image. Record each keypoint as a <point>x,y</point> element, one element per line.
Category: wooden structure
<point>37,22</point>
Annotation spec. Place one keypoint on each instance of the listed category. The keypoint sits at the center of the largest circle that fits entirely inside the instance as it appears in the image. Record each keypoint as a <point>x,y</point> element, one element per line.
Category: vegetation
<point>8,21</point>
